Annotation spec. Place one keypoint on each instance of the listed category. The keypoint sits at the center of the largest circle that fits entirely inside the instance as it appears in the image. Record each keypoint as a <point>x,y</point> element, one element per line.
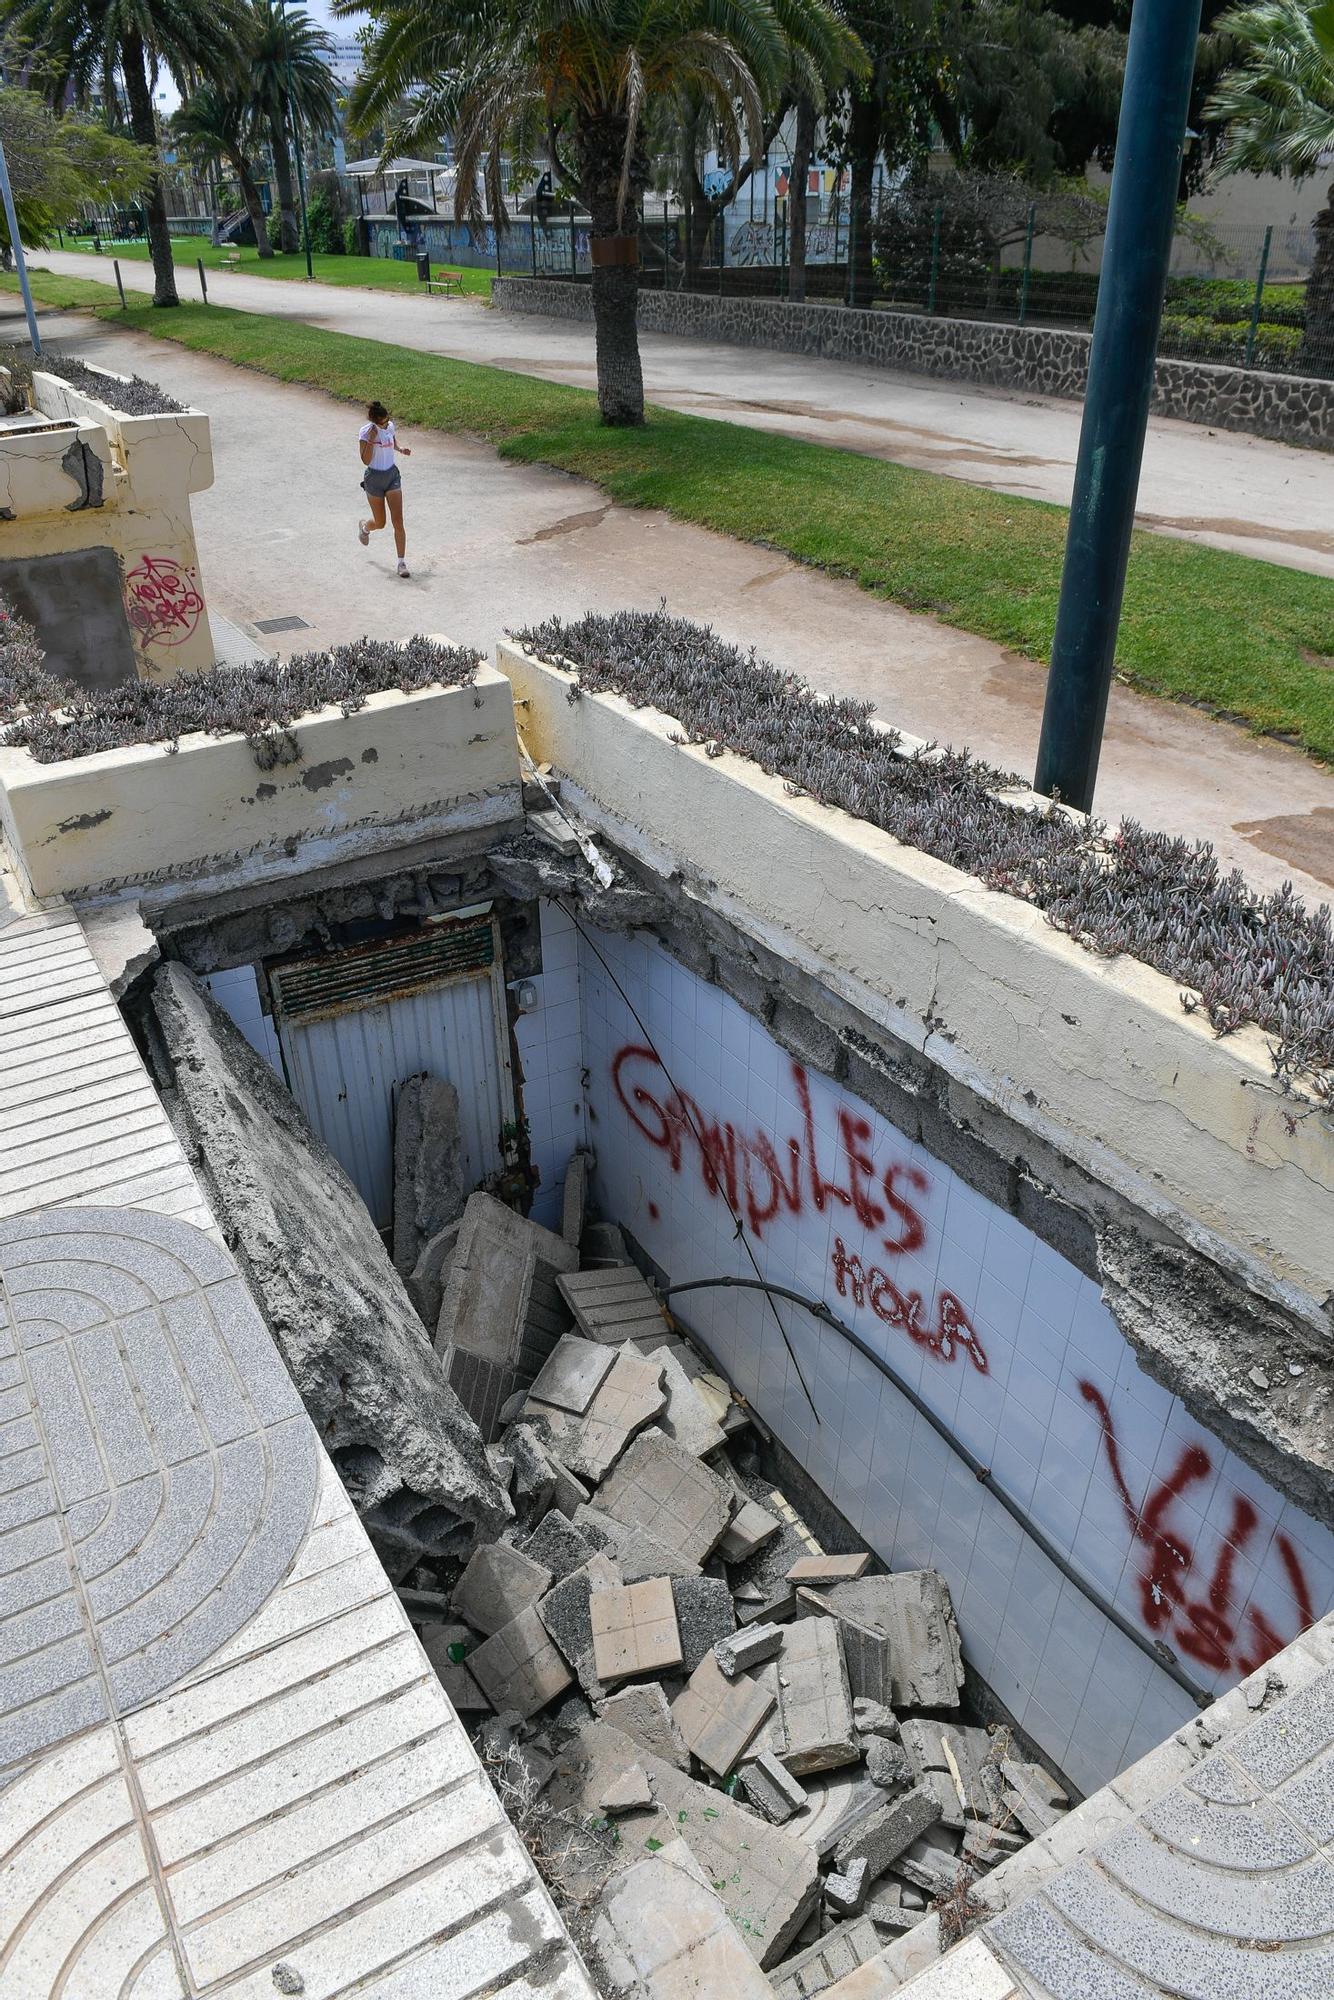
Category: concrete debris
<point>873,1718</point>
<point>533,1485</point>
<point>747,1532</point>
<point>447,1648</point>
<point>773,1792</point>
<point>883,1835</point>
<point>520,1667</point>
<point>889,1765</point>
<point>964,1756</point>
<point>815,1701</point>
<point>631,1792</point>
<point>663,1933</point>
<point>566,1614</point>
<point>430,1275</point>
<point>500,1316</point>
<point>558,1545</point>
<point>1031,1796</point>
<point>912,1609</point>
<point>428,1166</point>
<point>865,1647</point>
<point>829,1569</point>
<point>833,1957</point>
<point>574,1198</point>
<point>747,1649</point>
<point>845,1892</point>
<point>930,1864</point>
<point>612,1305</point>
<point>122,945</point>
<point>572,1374</point>
<point>603,1247</point>
<point>643,1713</point>
<point>636,1551</point>
<point>497,1585</point>
<point>355,1348</point>
<point>705,1615</point>
<point>659,1487</point>
<point>630,1397</point>
<point>718,1718</point>
<point>502,1465</point>
<point>885,1909</point>
<point>773,1610</point>
<point>570,1493</point>
<point>685,1419</point>
<point>634,1630</point>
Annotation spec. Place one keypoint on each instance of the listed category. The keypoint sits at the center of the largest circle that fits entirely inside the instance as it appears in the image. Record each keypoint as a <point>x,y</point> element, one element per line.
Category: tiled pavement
<point>226,1766</point>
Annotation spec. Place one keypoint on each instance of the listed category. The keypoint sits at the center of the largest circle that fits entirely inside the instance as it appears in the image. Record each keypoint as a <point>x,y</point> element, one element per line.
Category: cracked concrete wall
<point>122,483</point>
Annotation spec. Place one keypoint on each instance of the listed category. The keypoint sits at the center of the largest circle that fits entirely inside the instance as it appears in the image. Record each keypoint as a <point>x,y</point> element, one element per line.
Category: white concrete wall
<point>1220,1567</point>
<point>237,992</point>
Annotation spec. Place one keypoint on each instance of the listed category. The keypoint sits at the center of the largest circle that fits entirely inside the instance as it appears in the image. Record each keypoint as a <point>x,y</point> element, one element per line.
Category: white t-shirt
<point>382,457</point>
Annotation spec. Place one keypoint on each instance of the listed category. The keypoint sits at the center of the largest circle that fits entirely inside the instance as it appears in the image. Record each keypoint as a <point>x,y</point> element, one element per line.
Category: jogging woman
<point>381,481</point>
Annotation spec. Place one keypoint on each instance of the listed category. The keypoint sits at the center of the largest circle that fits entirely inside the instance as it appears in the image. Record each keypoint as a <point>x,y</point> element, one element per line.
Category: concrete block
<point>428,1166</point>
<point>873,1718</point>
<point>750,1648</point>
<point>913,1610</point>
<point>845,1891</point>
<point>636,1551</point>
<point>520,1667</point>
<point>963,1756</point>
<point>770,1879</point>
<point>574,1198</point>
<point>663,1933</point>
<point>447,1648</point>
<point>747,1532</point>
<point>773,1792</point>
<point>866,1649</point>
<point>631,1792</point>
<point>829,1569</point>
<point>664,1489</point>
<point>425,1286</point>
<point>566,1614</point>
<point>888,1764</point>
<point>685,1420</point>
<point>572,1374</point>
<point>634,1630</point>
<point>500,1316</point>
<point>612,1305</point>
<point>497,1585</point>
<point>558,1545</point>
<point>718,1718</point>
<point>930,1863</point>
<point>644,1714</point>
<point>884,1834</point>
<point>831,1958</point>
<point>630,1397</point>
<point>704,1614</point>
<point>815,1701</point>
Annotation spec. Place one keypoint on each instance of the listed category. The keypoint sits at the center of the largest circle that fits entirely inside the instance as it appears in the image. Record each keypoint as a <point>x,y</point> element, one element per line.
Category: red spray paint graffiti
<point>161,601</point>
<point>762,1178</point>
<point>1205,1626</point>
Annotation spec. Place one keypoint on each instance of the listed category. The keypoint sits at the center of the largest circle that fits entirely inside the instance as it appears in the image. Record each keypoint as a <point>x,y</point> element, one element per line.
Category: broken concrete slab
<point>612,1305</point>
<point>534,1482</point>
<point>558,1545</point>
<point>603,1247</point>
<point>829,1569</point>
<point>447,1648</point>
<point>663,1489</point>
<point>718,1718</point>
<point>771,1880</point>
<point>685,1419</point>
<point>566,1615</point>
<point>865,1647</point>
<point>883,1835</point>
<point>773,1792</point>
<point>889,1765</point>
<point>704,1614</point>
<point>645,1715</point>
<point>747,1532</point>
<point>663,1933</point>
<point>964,1755</point>
<point>1031,1795</point>
<point>912,1608</point>
<point>430,1274</point>
<point>634,1630</point>
<point>814,1699</point>
<point>500,1316</point>
<point>428,1165</point>
<point>636,1550</point>
<point>572,1373</point>
<point>354,1346</point>
<point>568,1493</point>
<point>497,1585</point>
<point>520,1667</point>
<point>840,1952</point>
<point>122,945</point>
<point>631,1396</point>
<point>574,1197</point>
<point>747,1649</point>
<point>631,1792</point>
<point>930,1865</point>
<point>873,1718</point>
<point>845,1890</point>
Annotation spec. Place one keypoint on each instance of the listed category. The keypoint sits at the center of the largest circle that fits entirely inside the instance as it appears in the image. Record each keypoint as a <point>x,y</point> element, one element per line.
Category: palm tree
<point>216,128</point>
<point>575,79</point>
<point>289,76</point>
<point>104,47</point>
<point>1277,102</point>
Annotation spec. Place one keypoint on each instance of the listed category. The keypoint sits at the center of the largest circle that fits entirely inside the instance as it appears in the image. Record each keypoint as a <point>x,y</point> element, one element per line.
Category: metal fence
<point>1236,293</point>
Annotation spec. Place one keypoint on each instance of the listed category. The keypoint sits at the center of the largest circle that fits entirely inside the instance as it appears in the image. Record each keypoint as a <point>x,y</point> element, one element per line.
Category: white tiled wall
<point>1211,1534</point>
<point>237,993</point>
<point>551,1056</point>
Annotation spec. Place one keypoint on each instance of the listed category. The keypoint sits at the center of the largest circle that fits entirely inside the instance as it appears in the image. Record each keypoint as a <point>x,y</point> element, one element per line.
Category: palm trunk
<point>254,207</point>
<point>615,319</point>
<point>863,146</point>
<point>143,130</point>
<point>1316,353</point>
<point>282,174</point>
<point>797,195</point>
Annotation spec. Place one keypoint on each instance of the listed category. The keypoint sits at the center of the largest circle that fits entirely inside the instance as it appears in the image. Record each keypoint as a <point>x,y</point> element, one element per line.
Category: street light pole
<point>1160,61</point>
<point>20,262</point>
<point>296,142</point>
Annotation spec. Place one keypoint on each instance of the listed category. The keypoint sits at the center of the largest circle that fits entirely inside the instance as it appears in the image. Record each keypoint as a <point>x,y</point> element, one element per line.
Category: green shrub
<point>326,235</point>
<point>1228,300</point>
<point>351,240</point>
<point>275,229</point>
<point>1199,339</point>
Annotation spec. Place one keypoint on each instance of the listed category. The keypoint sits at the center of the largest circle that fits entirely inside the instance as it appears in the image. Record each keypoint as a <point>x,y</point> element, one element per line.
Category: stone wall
<point>1050,361</point>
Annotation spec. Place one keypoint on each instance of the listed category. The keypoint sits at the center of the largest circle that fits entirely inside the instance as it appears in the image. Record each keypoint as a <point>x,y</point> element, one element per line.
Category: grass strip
<point>380,274</point>
<point>1241,637</point>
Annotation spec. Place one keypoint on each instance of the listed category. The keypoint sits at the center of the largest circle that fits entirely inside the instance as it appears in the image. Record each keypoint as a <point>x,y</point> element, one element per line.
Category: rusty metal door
<point>355,1024</point>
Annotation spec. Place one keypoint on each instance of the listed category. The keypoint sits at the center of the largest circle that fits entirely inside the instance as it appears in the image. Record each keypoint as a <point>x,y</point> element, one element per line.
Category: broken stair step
<point>831,1958</point>
<point>612,1305</point>
<point>914,1612</point>
<point>631,1396</point>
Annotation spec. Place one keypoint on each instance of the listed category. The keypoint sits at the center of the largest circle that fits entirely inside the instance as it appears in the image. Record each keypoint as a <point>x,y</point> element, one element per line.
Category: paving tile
<point>719,1718</point>
<point>573,1373</point>
<point>636,1549</point>
<point>670,1494</point>
<point>634,1630</point>
<point>663,1933</point>
<point>631,1396</point>
<point>497,1585</point>
<point>814,1699</point>
<point>566,1613</point>
<point>749,1529</point>
<point>685,1420</point>
<point>520,1666</point>
<point>644,1714</point>
<point>831,1958</point>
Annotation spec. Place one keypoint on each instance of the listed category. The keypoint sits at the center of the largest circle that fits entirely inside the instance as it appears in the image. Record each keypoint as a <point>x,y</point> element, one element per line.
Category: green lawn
<point>385,274</point>
<point>1200,625</point>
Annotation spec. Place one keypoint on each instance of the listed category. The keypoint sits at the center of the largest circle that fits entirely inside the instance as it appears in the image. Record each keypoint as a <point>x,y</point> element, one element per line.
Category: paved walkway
<point>1237,492</point>
<point>496,545</point>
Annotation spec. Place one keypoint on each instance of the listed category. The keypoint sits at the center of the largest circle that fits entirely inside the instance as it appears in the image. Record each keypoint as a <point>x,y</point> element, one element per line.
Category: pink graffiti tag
<point>161,601</point>
<point>1207,1626</point>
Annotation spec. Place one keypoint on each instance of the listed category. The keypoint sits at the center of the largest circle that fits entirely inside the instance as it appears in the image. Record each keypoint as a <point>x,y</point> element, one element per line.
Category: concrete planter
<point>1095,1056</point>
<point>440,761</point>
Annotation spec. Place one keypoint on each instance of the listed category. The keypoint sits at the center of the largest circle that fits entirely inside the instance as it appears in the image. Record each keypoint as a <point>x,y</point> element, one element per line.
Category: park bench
<point>231,259</point>
<point>447,282</point>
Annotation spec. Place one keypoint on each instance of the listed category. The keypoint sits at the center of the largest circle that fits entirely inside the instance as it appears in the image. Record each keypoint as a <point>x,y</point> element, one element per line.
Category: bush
<point>1231,299</point>
<point>352,237</point>
<point>274,230</point>
<point>326,234</point>
<point>1212,340</point>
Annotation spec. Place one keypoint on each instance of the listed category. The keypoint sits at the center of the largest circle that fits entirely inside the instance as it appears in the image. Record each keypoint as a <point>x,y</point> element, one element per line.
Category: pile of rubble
<point>740,1760</point>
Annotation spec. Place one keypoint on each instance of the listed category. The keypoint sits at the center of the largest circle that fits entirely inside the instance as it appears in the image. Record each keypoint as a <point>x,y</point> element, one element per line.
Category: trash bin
<point>423,266</point>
